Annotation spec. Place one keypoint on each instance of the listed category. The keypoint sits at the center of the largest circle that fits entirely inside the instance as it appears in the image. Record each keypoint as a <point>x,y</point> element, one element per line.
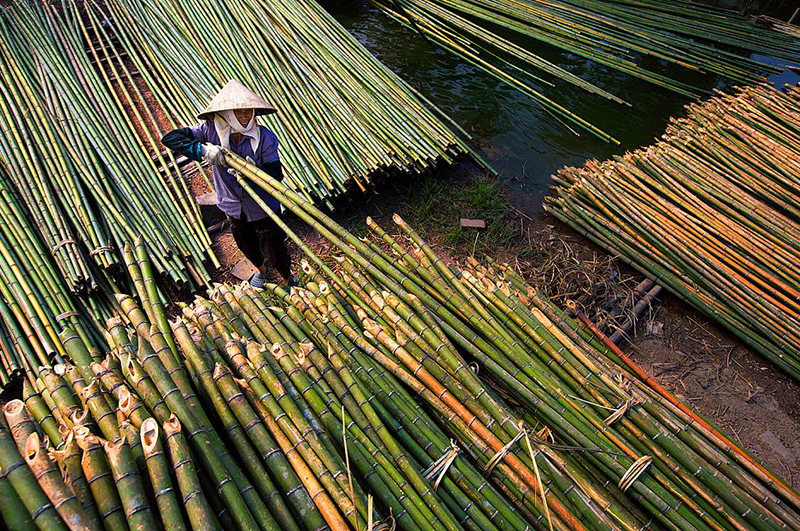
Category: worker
<point>229,122</point>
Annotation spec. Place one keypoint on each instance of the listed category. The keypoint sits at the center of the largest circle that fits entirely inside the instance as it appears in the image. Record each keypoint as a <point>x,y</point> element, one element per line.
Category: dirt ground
<point>712,371</point>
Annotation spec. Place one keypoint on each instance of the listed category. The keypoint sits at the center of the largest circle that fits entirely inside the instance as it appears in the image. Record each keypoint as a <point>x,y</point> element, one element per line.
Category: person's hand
<point>213,155</point>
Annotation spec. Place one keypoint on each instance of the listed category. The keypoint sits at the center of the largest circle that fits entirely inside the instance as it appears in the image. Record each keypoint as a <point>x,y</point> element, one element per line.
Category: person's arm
<point>185,142</point>
<point>274,169</point>
<point>193,142</point>
<point>270,161</point>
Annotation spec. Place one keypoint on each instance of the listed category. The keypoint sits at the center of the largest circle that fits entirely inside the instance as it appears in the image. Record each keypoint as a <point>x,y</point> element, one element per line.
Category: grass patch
<point>435,206</point>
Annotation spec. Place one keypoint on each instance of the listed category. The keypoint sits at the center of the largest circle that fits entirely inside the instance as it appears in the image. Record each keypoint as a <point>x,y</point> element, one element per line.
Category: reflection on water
<point>516,136</point>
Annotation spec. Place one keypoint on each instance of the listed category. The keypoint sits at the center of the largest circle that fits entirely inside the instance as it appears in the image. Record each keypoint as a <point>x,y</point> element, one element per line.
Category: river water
<point>524,143</point>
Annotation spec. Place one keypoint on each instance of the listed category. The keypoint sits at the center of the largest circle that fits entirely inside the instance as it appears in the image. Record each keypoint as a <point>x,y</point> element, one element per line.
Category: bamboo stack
<point>82,172</point>
<point>36,301</point>
<point>77,162</point>
<point>343,118</point>
<point>392,389</point>
<point>77,184</point>
<point>618,34</point>
<point>711,211</point>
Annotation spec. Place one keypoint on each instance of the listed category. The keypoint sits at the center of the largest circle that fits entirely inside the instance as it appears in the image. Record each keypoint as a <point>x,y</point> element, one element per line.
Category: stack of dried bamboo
<point>711,211</point>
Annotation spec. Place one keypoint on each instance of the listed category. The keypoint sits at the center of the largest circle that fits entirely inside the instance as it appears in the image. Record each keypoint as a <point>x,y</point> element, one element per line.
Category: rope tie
<point>350,477</point>
<point>61,244</point>
<point>635,472</point>
<point>389,525</point>
<point>101,249</point>
<point>439,467</point>
<point>620,412</point>
<point>60,317</point>
<point>494,461</point>
<point>523,433</point>
<point>624,383</point>
<point>546,433</point>
<point>595,404</point>
<point>538,476</point>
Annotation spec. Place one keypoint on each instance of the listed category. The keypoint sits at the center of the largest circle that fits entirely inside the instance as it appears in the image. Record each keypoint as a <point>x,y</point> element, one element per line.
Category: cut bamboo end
<point>13,409</point>
<point>79,417</point>
<point>33,448</point>
<point>114,448</point>
<point>125,402</point>
<point>172,425</point>
<point>307,347</point>
<point>149,435</point>
<point>220,371</point>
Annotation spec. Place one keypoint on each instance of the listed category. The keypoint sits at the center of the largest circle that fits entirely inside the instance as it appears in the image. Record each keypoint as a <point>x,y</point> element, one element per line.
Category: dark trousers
<point>262,242</point>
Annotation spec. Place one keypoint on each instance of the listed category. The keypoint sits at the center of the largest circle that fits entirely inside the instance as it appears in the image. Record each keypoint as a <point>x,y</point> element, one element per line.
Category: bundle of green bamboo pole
<point>343,117</point>
<point>77,184</point>
<point>77,161</point>
<point>711,211</point>
<point>399,310</point>
<point>205,385</point>
<point>392,389</point>
<point>36,301</point>
<point>618,34</point>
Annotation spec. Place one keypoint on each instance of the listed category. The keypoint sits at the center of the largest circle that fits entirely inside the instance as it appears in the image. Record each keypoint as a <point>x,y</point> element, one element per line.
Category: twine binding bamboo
<point>494,461</point>
<point>538,476</point>
<point>620,412</point>
<point>350,477</point>
<point>101,249</point>
<point>439,468</point>
<point>62,316</point>
<point>62,243</point>
<point>635,472</point>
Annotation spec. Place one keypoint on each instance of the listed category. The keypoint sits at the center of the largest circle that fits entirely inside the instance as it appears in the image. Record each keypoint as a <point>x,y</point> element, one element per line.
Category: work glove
<point>213,155</point>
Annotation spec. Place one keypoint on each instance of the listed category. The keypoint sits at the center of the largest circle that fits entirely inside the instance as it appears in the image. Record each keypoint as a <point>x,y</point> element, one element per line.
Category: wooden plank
<point>473,223</point>
<point>244,270</point>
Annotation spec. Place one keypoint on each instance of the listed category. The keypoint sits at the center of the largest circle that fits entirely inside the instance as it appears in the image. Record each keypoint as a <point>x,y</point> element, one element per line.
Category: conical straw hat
<point>234,96</point>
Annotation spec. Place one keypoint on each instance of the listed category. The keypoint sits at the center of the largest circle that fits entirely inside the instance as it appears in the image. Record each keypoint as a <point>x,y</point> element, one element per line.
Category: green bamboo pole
<point>158,468</point>
<point>13,468</point>
<point>129,485</point>
<point>69,463</point>
<point>200,515</point>
<point>49,478</point>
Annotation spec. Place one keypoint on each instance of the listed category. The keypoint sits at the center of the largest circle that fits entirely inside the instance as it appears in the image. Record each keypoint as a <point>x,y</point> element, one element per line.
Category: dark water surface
<point>524,143</point>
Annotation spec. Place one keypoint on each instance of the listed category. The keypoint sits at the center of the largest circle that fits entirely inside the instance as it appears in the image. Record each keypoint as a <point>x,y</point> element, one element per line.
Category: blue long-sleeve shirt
<point>231,196</point>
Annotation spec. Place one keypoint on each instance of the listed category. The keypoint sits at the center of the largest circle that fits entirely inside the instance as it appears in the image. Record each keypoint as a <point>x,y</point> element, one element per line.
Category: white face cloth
<point>225,123</point>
